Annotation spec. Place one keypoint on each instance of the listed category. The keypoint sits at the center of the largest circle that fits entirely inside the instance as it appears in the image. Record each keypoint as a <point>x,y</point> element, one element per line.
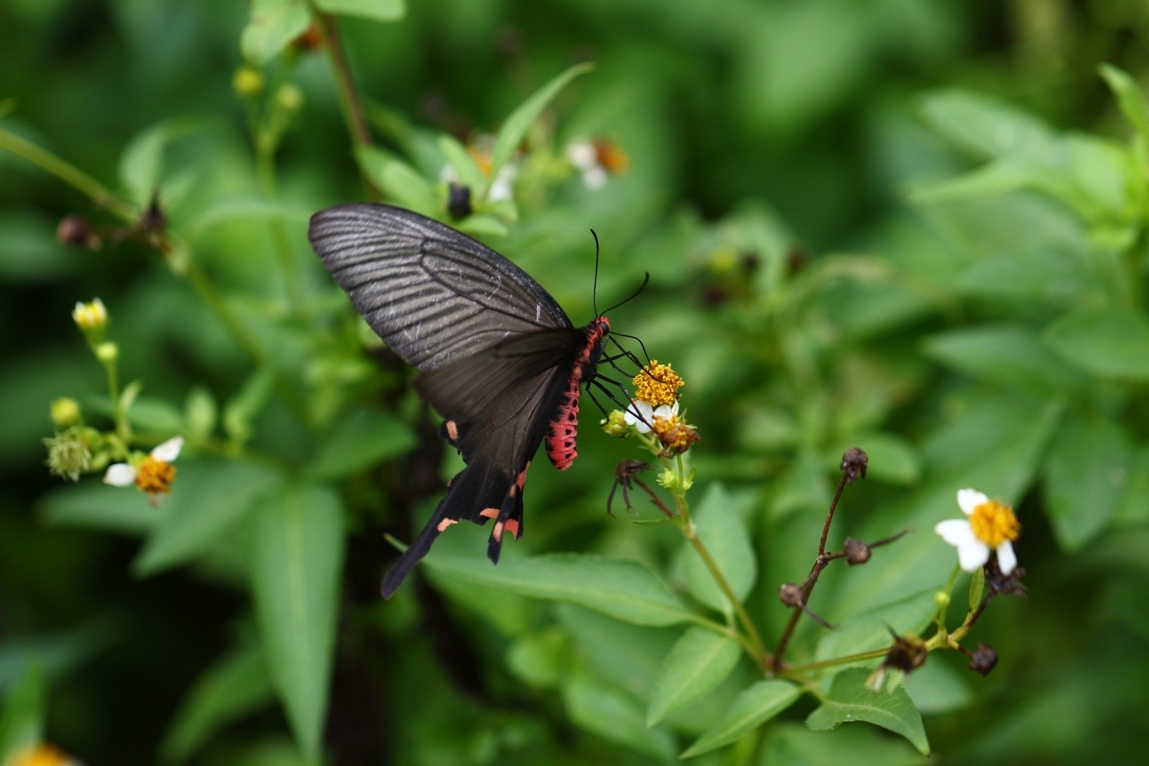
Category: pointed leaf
<point>1086,473</point>
<point>1112,343</point>
<point>719,526</point>
<point>274,24</point>
<point>1130,98</point>
<point>460,159</point>
<point>700,660</point>
<point>520,120</point>
<point>236,685</point>
<point>614,716</point>
<point>95,505</point>
<point>626,590</point>
<point>850,700</point>
<point>753,707</point>
<point>209,499</point>
<point>400,182</point>
<point>298,552</point>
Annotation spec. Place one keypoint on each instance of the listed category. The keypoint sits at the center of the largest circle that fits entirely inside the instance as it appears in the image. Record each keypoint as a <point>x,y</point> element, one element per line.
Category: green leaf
<point>1111,343</point>
<point>699,661</point>
<point>849,700</point>
<point>274,24</point>
<point>753,707</point>
<point>938,687</point>
<point>976,588</point>
<point>982,126</point>
<point>1008,355</point>
<point>793,744</point>
<point>296,560</point>
<point>481,226</point>
<point>1130,98</point>
<point>540,659</point>
<point>234,686</point>
<point>460,159</point>
<point>376,10</point>
<point>520,120</point>
<point>358,440</point>
<point>239,413</point>
<point>400,182</point>
<point>626,590</point>
<point>156,416</point>
<point>142,161</point>
<point>1134,506</point>
<point>22,721</point>
<point>94,505</point>
<point>208,501</point>
<point>200,413</point>
<point>614,716</point>
<point>1086,473</point>
<point>719,526</point>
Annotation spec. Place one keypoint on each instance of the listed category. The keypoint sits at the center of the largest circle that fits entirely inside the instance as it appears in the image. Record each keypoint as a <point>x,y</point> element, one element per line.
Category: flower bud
<point>65,412</point>
<point>107,352</point>
<point>615,424</point>
<point>790,594</point>
<point>68,454</point>
<point>984,659</point>
<point>77,230</point>
<point>289,97</point>
<point>90,317</point>
<point>857,552</point>
<point>247,81</point>
<point>854,462</point>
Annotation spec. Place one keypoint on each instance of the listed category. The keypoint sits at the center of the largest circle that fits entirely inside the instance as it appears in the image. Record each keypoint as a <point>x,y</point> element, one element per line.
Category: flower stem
<point>69,174</point>
<point>348,95</point>
<point>793,671</point>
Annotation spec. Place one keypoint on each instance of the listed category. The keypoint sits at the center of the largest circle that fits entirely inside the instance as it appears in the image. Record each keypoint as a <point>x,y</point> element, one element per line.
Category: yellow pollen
<point>993,523</point>
<point>154,475</point>
<point>657,384</point>
<point>482,159</point>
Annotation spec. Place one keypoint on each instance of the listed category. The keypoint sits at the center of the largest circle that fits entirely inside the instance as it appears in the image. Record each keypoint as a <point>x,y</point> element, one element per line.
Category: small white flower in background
<point>991,525</point>
<point>503,187</point>
<point>596,160</point>
<point>641,414</point>
<point>154,474</point>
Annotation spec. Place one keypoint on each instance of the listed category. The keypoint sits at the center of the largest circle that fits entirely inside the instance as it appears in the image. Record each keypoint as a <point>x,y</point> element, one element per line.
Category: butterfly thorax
<point>562,438</point>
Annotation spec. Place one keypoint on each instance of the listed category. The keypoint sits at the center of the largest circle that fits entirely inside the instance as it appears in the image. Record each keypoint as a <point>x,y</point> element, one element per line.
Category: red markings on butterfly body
<point>562,439</point>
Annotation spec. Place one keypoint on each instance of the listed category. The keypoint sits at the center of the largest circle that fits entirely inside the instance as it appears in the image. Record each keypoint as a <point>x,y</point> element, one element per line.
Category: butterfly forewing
<point>432,294</point>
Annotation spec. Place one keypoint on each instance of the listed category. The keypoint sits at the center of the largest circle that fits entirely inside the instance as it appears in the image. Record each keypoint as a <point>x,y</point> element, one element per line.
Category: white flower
<point>596,160</point>
<point>641,414</point>
<point>503,187</point>
<point>91,315</point>
<point>153,475</point>
<point>991,525</point>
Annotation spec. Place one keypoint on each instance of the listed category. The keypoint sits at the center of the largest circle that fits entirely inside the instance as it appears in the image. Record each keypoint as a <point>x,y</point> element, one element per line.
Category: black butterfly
<point>498,357</point>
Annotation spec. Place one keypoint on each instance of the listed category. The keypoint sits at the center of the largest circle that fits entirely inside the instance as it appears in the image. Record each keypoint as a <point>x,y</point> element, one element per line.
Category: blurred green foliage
<point>918,228</point>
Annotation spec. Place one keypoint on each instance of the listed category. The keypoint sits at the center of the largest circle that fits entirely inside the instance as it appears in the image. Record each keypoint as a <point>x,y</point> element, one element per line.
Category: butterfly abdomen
<point>562,439</point>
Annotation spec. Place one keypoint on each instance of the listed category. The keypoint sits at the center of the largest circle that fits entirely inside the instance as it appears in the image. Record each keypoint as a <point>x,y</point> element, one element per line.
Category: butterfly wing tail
<point>418,548</point>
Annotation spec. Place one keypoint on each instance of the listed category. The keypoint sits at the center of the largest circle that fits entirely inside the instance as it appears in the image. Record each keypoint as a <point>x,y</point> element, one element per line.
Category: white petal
<point>973,555</point>
<point>969,499</point>
<point>640,415</point>
<point>582,155</point>
<point>955,531</point>
<point>1006,558</point>
<point>120,475</point>
<point>594,178</point>
<point>501,190</point>
<point>169,450</point>
<point>665,411</point>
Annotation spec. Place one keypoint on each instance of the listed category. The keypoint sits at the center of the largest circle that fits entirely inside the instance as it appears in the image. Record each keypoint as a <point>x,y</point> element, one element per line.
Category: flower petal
<point>969,499</point>
<point>169,450</point>
<point>594,178</point>
<point>956,532</point>
<point>640,415</point>
<point>1006,558</point>
<point>120,475</point>
<point>973,555</point>
<point>665,411</point>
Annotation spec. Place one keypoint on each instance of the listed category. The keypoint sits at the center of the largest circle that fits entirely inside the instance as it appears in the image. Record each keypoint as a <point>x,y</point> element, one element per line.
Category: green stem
<point>793,671</point>
<point>69,174</point>
<point>348,95</point>
<point>753,643</point>
<point>941,618</point>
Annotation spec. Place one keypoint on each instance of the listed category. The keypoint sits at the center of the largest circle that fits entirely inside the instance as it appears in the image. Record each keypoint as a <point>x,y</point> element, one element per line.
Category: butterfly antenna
<point>594,289</point>
<point>627,353</point>
<point>645,281</point>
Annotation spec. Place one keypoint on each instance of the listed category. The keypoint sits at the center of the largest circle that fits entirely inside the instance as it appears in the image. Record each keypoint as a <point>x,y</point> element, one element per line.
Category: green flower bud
<point>65,412</point>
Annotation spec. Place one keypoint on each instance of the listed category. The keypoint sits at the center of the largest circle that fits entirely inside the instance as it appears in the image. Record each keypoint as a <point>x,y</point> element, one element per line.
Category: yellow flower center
<point>657,384</point>
<point>155,475</point>
<point>611,156</point>
<point>675,436</point>
<point>993,523</point>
